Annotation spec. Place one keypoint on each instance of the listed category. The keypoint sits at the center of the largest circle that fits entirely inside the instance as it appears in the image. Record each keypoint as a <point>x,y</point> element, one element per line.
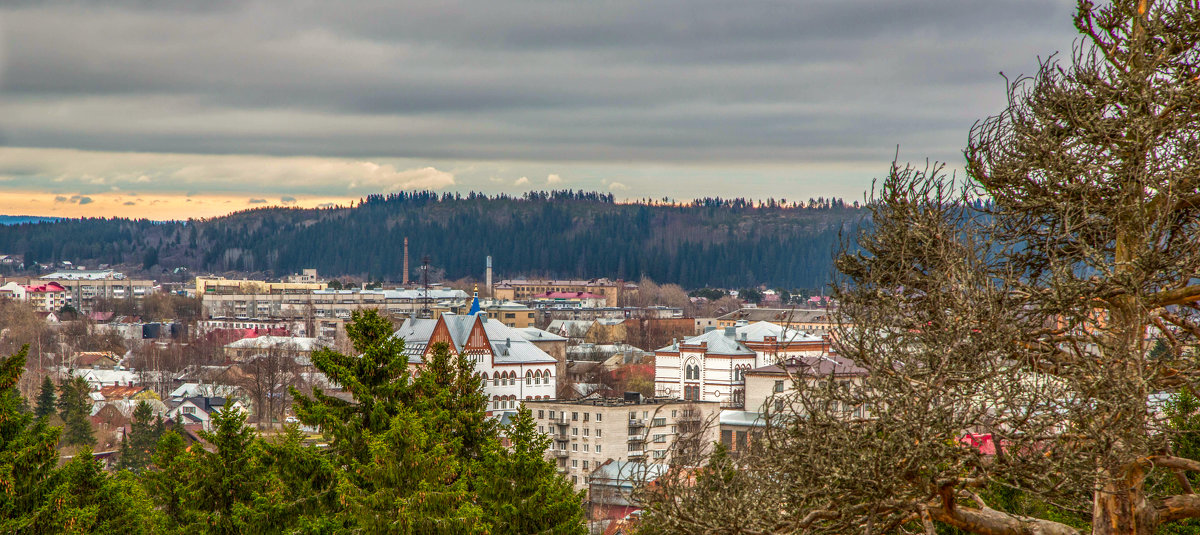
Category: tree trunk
<point>1120,507</point>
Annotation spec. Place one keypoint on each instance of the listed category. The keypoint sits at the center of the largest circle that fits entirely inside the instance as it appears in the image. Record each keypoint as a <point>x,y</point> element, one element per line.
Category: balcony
<point>637,438</point>
<point>636,455</point>
<point>637,422</point>
<point>561,454</point>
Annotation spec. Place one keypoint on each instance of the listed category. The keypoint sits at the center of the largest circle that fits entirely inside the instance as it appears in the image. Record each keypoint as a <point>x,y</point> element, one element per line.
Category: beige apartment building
<point>86,287</point>
<point>588,432</point>
<point>528,289</point>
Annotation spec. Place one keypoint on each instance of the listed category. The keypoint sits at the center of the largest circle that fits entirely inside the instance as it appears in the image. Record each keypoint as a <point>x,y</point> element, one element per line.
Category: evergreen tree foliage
<point>27,451</point>
<point>417,452</point>
<point>46,400</point>
<point>82,498</point>
<point>138,446</point>
<point>228,484</point>
<point>167,481</point>
<point>523,493</point>
<point>560,234</point>
<point>74,406</point>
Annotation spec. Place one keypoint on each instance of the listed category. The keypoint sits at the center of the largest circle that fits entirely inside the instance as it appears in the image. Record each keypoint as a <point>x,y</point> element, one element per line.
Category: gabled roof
<point>507,345</point>
<point>534,334</point>
<point>299,343</point>
<point>779,315</point>
<point>730,340</point>
<point>814,365</point>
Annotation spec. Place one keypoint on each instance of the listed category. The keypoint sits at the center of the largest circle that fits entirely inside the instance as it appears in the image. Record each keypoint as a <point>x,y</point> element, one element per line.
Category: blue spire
<point>475,303</point>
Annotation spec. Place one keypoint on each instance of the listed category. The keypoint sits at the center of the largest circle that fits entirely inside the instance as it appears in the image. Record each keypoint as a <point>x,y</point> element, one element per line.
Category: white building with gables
<point>712,366</point>
<point>513,368</point>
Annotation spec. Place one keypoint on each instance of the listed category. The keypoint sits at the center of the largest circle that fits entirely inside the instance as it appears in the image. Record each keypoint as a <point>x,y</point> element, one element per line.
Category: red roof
<point>45,288</point>
<point>568,295</point>
<point>981,442</point>
<point>120,392</point>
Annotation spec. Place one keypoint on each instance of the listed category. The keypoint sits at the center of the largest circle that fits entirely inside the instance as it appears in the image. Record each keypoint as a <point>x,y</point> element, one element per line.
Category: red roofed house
<point>568,300</point>
<point>49,296</point>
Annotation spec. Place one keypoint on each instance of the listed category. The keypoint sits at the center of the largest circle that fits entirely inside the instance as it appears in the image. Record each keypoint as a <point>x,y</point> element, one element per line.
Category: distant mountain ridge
<point>18,219</point>
<point>561,234</point>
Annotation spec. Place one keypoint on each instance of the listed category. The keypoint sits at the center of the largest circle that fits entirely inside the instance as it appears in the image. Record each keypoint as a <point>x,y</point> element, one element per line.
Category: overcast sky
<point>175,108</point>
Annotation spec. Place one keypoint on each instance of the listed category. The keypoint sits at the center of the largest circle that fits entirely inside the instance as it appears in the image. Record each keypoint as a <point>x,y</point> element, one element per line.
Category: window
<point>674,430</point>
<point>574,463</point>
<point>542,414</point>
<point>575,431</point>
<point>779,386</point>
<point>597,448</point>
<point>635,446</point>
<point>574,416</point>
<point>660,438</point>
<point>585,465</point>
<point>585,448</point>
<point>574,447</point>
<point>551,415</point>
<point>597,418</point>
<point>528,379</point>
<point>585,431</point>
<point>599,432</point>
<point>632,415</point>
<point>585,416</point>
<point>660,421</point>
<point>674,413</point>
<point>575,479</point>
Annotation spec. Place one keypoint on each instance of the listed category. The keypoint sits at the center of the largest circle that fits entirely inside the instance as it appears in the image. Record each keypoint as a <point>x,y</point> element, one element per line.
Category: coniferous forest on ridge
<point>560,234</point>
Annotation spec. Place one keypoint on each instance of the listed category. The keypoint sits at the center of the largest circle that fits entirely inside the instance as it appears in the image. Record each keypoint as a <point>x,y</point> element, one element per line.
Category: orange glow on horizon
<point>157,207</point>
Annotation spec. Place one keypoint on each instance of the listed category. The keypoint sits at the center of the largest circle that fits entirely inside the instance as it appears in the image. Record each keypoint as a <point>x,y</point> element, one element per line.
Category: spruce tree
<point>74,405</point>
<point>46,399</point>
<point>168,480</point>
<point>138,445</point>
<point>27,451</point>
<point>522,492</point>
<point>227,482</point>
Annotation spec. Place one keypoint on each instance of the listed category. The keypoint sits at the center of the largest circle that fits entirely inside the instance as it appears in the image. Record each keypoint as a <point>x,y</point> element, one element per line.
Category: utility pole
<point>425,312</point>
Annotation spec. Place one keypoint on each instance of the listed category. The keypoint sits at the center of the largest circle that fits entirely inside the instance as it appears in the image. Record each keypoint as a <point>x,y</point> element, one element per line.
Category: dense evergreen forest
<point>562,234</point>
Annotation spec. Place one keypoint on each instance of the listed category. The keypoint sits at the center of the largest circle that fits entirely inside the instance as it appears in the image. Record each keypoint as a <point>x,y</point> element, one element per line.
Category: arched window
<point>496,380</point>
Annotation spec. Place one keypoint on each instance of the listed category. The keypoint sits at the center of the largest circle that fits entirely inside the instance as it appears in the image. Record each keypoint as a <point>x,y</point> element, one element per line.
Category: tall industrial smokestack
<point>489,276</point>
<point>405,262</point>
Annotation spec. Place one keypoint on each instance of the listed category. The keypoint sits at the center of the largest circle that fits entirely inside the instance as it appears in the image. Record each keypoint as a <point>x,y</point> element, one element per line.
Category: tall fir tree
<point>46,400</point>
<point>228,483</point>
<point>27,451</point>
<point>522,492</point>
<point>74,405</point>
<point>137,448</point>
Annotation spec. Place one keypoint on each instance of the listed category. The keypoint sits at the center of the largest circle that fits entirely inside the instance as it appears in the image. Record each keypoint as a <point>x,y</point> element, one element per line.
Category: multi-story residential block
<point>221,285</point>
<point>86,287</point>
<point>294,346</point>
<point>770,385</point>
<point>524,290</point>
<point>512,367</point>
<point>712,366</point>
<point>50,296</point>
<point>300,303</point>
<point>512,314</point>
<point>587,433</point>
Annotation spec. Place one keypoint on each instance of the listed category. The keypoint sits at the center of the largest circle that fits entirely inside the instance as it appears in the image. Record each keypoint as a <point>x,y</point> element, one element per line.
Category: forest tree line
<point>561,234</point>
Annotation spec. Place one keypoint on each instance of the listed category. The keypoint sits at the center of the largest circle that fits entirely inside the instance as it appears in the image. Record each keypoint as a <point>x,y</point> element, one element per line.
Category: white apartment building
<point>588,432</point>
<point>712,366</point>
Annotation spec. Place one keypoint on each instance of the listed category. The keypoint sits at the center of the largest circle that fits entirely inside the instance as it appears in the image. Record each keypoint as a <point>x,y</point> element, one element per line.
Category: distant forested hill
<point>719,242</point>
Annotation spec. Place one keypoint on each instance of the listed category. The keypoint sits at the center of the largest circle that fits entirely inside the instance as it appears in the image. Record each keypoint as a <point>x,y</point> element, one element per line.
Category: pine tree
<point>82,498</point>
<point>522,492</point>
<point>46,399</point>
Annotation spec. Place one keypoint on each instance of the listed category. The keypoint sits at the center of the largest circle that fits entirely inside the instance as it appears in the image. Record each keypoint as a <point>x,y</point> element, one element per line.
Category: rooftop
<point>84,274</point>
<point>621,402</point>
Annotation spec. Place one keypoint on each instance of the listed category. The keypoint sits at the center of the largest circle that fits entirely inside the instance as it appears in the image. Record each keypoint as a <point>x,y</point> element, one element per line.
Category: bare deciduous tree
<point>1020,308</point>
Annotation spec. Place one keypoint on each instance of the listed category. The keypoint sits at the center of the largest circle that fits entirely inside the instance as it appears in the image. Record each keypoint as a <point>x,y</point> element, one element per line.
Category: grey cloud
<point>256,201</point>
<point>78,199</point>
<point>286,199</point>
<point>60,198</point>
<point>673,81</point>
<point>129,203</point>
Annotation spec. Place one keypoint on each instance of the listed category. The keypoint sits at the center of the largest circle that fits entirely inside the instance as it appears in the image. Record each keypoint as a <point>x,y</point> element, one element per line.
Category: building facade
<point>589,432</point>
<point>513,369</point>
<point>86,287</point>
<point>712,366</point>
<point>528,289</point>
